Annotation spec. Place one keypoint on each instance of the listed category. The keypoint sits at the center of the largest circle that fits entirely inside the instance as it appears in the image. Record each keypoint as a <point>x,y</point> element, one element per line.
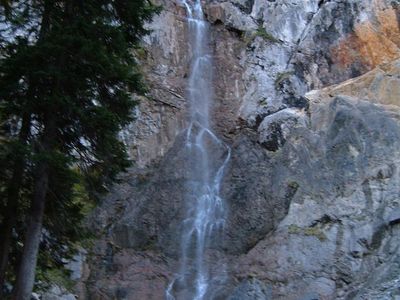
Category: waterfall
<point>201,272</point>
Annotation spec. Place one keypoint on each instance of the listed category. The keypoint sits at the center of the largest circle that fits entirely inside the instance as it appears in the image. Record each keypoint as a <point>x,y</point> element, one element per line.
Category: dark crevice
<point>239,33</point>
<point>394,222</point>
<point>325,219</point>
<point>247,7</point>
<point>276,139</point>
<point>322,2</point>
<point>396,7</point>
<point>261,117</point>
<point>378,237</point>
<point>218,22</point>
<point>297,102</point>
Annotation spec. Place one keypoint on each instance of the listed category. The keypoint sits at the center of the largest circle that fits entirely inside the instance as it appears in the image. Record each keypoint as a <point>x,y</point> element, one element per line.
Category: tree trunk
<point>6,234</point>
<point>11,209</point>
<point>26,273</point>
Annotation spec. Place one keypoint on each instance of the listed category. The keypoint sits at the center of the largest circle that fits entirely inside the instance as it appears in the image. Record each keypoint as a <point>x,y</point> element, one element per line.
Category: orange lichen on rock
<point>371,43</point>
<point>389,20</point>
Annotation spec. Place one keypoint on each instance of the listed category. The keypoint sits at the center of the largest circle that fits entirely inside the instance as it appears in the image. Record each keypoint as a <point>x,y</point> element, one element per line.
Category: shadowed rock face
<point>312,186</point>
<point>251,289</point>
<point>345,168</point>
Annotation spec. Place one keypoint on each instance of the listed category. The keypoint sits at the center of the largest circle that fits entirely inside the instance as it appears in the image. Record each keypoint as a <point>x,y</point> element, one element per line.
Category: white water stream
<point>200,272</point>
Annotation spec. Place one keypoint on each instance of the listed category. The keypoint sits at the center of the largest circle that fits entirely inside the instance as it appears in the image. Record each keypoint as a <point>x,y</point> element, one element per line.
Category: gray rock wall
<point>313,183</point>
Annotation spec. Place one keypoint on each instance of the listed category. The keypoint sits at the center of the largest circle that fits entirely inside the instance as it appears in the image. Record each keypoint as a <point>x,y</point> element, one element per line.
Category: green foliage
<point>140,53</point>
<point>57,276</point>
<point>263,102</point>
<point>69,71</point>
<point>309,231</point>
<point>315,231</point>
<point>294,229</point>
<point>261,32</point>
<point>293,185</point>
<point>280,77</point>
<point>82,198</point>
<point>249,37</point>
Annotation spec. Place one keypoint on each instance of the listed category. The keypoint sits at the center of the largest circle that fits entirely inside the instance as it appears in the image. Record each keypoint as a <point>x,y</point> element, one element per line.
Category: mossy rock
<point>280,77</point>
<point>249,37</point>
<point>315,231</point>
<point>309,231</point>
<point>294,229</point>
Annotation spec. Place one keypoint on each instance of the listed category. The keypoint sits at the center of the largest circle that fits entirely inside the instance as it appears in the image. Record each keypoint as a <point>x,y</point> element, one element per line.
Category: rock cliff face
<point>307,93</point>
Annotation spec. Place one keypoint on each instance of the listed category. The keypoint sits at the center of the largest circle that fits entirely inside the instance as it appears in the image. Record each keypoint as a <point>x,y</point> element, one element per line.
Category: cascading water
<point>201,273</point>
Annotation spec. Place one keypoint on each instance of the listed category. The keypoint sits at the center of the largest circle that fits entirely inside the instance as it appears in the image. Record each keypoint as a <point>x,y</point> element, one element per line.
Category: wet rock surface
<point>313,182</point>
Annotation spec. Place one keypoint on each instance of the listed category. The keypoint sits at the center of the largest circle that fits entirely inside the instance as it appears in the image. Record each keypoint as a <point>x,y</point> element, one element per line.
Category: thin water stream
<point>202,228</point>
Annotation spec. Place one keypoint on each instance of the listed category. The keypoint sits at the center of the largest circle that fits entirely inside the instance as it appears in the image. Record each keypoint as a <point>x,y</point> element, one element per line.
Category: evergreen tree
<point>67,80</point>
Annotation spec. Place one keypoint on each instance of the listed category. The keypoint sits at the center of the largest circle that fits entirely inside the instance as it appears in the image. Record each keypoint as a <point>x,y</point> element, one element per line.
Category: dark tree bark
<point>46,145</point>
<point>13,195</point>
<point>26,273</point>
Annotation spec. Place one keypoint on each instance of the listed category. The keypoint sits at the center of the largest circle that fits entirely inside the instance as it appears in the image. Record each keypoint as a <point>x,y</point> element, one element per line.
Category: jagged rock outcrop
<point>312,185</point>
<point>267,55</point>
<point>336,240</point>
<point>165,59</point>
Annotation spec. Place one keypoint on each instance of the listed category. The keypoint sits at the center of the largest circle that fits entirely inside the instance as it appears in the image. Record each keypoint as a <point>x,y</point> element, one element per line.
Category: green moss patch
<point>249,37</point>
<point>309,231</point>
<point>280,77</point>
